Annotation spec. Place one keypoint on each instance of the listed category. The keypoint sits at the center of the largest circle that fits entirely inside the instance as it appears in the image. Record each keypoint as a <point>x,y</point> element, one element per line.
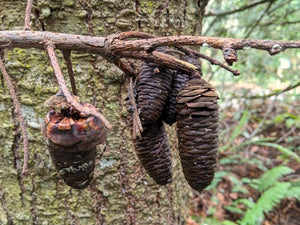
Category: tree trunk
<point>121,193</point>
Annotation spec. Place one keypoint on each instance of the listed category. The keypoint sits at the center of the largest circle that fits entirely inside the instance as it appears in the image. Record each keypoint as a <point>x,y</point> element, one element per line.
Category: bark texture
<point>121,192</point>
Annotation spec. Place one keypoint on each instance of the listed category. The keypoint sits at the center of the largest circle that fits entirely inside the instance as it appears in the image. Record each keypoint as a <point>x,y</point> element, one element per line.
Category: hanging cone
<point>169,113</point>
<point>153,86</point>
<point>197,122</point>
<point>152,147</point>
<point>153,151</point>
<point>71,141</point>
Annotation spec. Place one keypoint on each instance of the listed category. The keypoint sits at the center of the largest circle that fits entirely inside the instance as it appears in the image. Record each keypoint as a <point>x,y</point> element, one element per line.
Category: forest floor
<point>240,163</point>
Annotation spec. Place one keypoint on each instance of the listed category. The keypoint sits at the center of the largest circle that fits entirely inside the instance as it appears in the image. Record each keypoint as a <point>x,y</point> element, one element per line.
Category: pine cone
<point>153,86</point>
<point>71,141</point>
<point>197,122</point>
<point>152,148</point>
<point>169,113</point>
<point>153,151</point>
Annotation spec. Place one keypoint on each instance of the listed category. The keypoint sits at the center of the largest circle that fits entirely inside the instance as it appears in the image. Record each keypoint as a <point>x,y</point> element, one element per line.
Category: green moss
<point>68,2</point>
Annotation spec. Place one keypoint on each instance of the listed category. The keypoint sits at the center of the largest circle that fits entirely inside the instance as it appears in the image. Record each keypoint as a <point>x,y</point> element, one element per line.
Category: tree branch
<point>113,47</point>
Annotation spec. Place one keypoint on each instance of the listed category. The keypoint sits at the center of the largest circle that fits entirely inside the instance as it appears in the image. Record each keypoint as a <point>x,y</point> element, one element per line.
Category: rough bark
<point>121,192</point>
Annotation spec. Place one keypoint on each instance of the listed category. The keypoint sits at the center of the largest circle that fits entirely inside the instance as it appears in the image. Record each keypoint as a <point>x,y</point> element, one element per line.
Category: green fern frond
<point>266,202</point>
<point>247,202</point>
<point>294,192</point>
<point>269,178</point>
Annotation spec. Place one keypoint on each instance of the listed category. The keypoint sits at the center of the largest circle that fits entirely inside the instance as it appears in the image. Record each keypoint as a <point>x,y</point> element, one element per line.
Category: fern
<point>266,202</point>
<point>217,178</point>
<point>247,202</point>
<point>294,192</point>
<point>270,177</point>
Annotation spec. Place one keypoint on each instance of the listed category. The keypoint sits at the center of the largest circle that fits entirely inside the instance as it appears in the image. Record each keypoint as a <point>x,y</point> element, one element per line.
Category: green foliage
<point>247,202</point>
<point>294,192</point>
<point>261,75</point>
<point>217,178</point>
<point>273,191</point>
<point>269,199</point>
<point>270,177</point>
<point>289,119</point>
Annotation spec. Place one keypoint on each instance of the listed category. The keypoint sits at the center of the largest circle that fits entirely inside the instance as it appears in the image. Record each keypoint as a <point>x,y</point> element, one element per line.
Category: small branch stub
<point>230,55</point>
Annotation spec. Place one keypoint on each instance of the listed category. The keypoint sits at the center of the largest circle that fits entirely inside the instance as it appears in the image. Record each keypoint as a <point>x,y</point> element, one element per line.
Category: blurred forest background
<point>257,180</point>
<point>258,175</point>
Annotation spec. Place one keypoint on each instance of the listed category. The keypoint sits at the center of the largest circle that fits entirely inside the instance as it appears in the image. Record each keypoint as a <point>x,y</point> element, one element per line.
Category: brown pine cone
<point>153,151</point>
<point>197,122</point>
<point>71,141</point>
<point>169,113</point>
<point>153,86</point>
<point>152,148</point>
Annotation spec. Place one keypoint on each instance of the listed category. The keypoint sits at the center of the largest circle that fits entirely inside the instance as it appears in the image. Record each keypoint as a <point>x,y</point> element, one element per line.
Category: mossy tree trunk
<point>121,192</point>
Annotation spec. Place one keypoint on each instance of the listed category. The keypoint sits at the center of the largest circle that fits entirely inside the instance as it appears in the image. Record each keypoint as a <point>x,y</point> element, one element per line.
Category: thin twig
<point>18,112</point>
<point>253,25</point>
<point>288,133</point>
<point>27,15</point>
<point>137,124</point>
<point>276,93</point>
<point>67,58</point>
<point>238,10</point>
<point>210,59</point>
<point>63,87</point>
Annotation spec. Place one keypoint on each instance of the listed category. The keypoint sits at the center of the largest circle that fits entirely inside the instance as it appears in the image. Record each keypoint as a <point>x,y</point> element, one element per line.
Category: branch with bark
<point>115,47</point>
<point>132,45</point>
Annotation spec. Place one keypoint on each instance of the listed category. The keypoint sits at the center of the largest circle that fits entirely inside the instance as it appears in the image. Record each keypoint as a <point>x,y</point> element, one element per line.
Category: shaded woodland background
<point>260,122</point>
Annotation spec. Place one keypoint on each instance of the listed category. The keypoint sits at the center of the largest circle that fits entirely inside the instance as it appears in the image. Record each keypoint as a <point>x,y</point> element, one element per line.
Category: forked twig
<point>63,87</point>
<point>17,111</point>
